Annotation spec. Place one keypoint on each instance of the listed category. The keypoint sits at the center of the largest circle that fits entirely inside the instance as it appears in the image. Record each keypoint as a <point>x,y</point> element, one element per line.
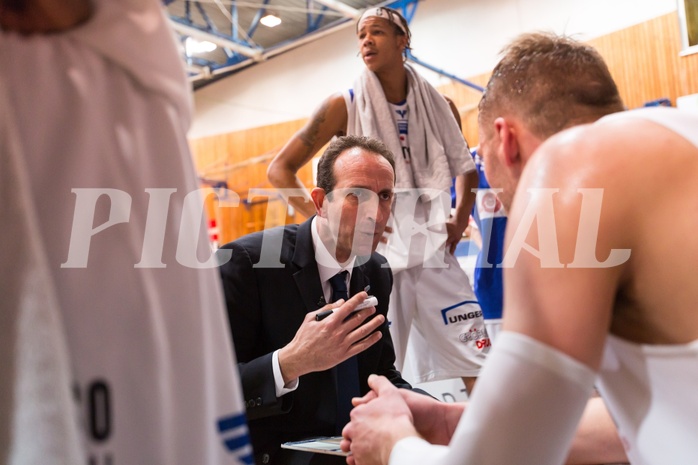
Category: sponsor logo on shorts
<point>454,313</point>
<point>464,316</point>
<point>478,336</point>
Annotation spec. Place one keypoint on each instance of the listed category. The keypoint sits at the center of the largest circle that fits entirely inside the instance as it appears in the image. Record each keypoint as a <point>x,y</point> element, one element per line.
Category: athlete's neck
<point>394,84</point>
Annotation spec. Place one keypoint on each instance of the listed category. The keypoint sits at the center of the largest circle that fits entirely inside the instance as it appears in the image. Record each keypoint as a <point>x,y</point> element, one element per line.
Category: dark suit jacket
<point>266,306</point>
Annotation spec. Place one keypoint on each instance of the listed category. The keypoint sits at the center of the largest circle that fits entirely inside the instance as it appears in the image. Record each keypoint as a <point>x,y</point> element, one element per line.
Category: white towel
<point>438,150</point>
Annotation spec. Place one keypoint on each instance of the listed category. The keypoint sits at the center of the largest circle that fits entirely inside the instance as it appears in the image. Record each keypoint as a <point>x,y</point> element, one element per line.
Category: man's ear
<point>318,195</point>
<point>508,140</point>
<point>402,40</point>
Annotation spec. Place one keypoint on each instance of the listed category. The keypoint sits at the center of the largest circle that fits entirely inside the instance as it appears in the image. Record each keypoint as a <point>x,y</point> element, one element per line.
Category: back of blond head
<point>550,82</point>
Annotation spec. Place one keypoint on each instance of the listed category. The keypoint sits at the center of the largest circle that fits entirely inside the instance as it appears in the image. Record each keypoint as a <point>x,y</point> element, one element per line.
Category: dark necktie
<point>348,370</point>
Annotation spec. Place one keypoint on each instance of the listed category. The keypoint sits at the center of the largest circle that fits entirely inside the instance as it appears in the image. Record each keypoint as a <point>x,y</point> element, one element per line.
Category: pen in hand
<point>323,314</point>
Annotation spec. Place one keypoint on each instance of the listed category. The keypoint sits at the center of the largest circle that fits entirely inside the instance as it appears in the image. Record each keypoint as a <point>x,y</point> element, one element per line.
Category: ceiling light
<point>194,46</point>
<point>271,19</point>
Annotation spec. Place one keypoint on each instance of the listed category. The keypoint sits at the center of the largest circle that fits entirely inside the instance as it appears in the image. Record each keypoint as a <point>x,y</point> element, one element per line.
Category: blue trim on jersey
<point>465,302</point>
<point>231,422</point>
<point>239,442</point>
<point>351,95</point>
<point>488,282</point>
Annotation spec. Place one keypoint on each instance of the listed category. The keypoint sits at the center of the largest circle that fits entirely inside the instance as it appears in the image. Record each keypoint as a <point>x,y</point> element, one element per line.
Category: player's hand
<point>321,345</point>
<point>376,425</point>
<point>454,230</point>
<point>435,421</point>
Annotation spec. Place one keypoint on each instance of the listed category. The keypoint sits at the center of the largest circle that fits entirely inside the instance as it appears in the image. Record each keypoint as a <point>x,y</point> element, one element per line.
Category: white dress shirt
<point>327,267</point>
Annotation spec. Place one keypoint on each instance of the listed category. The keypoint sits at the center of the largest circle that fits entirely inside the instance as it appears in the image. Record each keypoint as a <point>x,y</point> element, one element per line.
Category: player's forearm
<point>282,173</point>
<point>300,199</point>
<point>596,440</point>
<point>450,416</point>
<point>465,197</point>
<point>435,421</point>
<point>453,416</point>
<point>291,188</point>
<point>305,208</point>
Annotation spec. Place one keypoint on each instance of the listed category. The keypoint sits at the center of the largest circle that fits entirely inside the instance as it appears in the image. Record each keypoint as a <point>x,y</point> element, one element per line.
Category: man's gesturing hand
<point>321,345</point>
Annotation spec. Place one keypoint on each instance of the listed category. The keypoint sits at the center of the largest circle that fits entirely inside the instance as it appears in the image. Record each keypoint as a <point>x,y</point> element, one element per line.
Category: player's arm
<point>43,16</point>
<point>557,314</point>
<point>465,200</point>
<point>465,196</point>
<point>329,120</point>
<point>597,439</point>
<point>568,255</point>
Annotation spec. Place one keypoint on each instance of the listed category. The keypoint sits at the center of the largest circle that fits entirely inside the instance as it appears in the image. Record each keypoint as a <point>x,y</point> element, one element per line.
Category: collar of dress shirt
<point>326,263</point>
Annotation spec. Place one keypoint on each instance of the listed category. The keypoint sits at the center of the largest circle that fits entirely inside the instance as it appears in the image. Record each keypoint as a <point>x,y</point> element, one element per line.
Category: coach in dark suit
<point>294,367</point>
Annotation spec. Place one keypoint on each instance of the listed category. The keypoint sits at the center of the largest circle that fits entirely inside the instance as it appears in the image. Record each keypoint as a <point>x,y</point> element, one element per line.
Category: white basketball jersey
<point>101,113</point>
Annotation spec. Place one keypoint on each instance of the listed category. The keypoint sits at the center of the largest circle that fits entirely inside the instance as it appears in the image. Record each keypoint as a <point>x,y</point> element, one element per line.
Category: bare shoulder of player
<point>328,120</point>
<point>575,157</point>
<point>589,177</point>
<point>607,154</point>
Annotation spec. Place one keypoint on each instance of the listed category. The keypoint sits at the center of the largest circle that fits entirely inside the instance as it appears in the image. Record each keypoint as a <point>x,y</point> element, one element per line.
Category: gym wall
<point>644,60</point>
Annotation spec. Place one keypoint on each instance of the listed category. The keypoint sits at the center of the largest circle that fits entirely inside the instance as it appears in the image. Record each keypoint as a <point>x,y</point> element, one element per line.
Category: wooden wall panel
<point>466,99</point>
<point>643,59</point>
<point>645,63</point>
<point>240,159</point>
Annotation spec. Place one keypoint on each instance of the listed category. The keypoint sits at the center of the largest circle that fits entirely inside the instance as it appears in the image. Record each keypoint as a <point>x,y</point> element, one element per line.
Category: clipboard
<point>320,445</point>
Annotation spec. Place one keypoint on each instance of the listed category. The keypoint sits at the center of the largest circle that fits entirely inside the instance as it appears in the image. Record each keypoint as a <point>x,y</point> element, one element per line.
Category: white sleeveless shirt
<point>651,393</point>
